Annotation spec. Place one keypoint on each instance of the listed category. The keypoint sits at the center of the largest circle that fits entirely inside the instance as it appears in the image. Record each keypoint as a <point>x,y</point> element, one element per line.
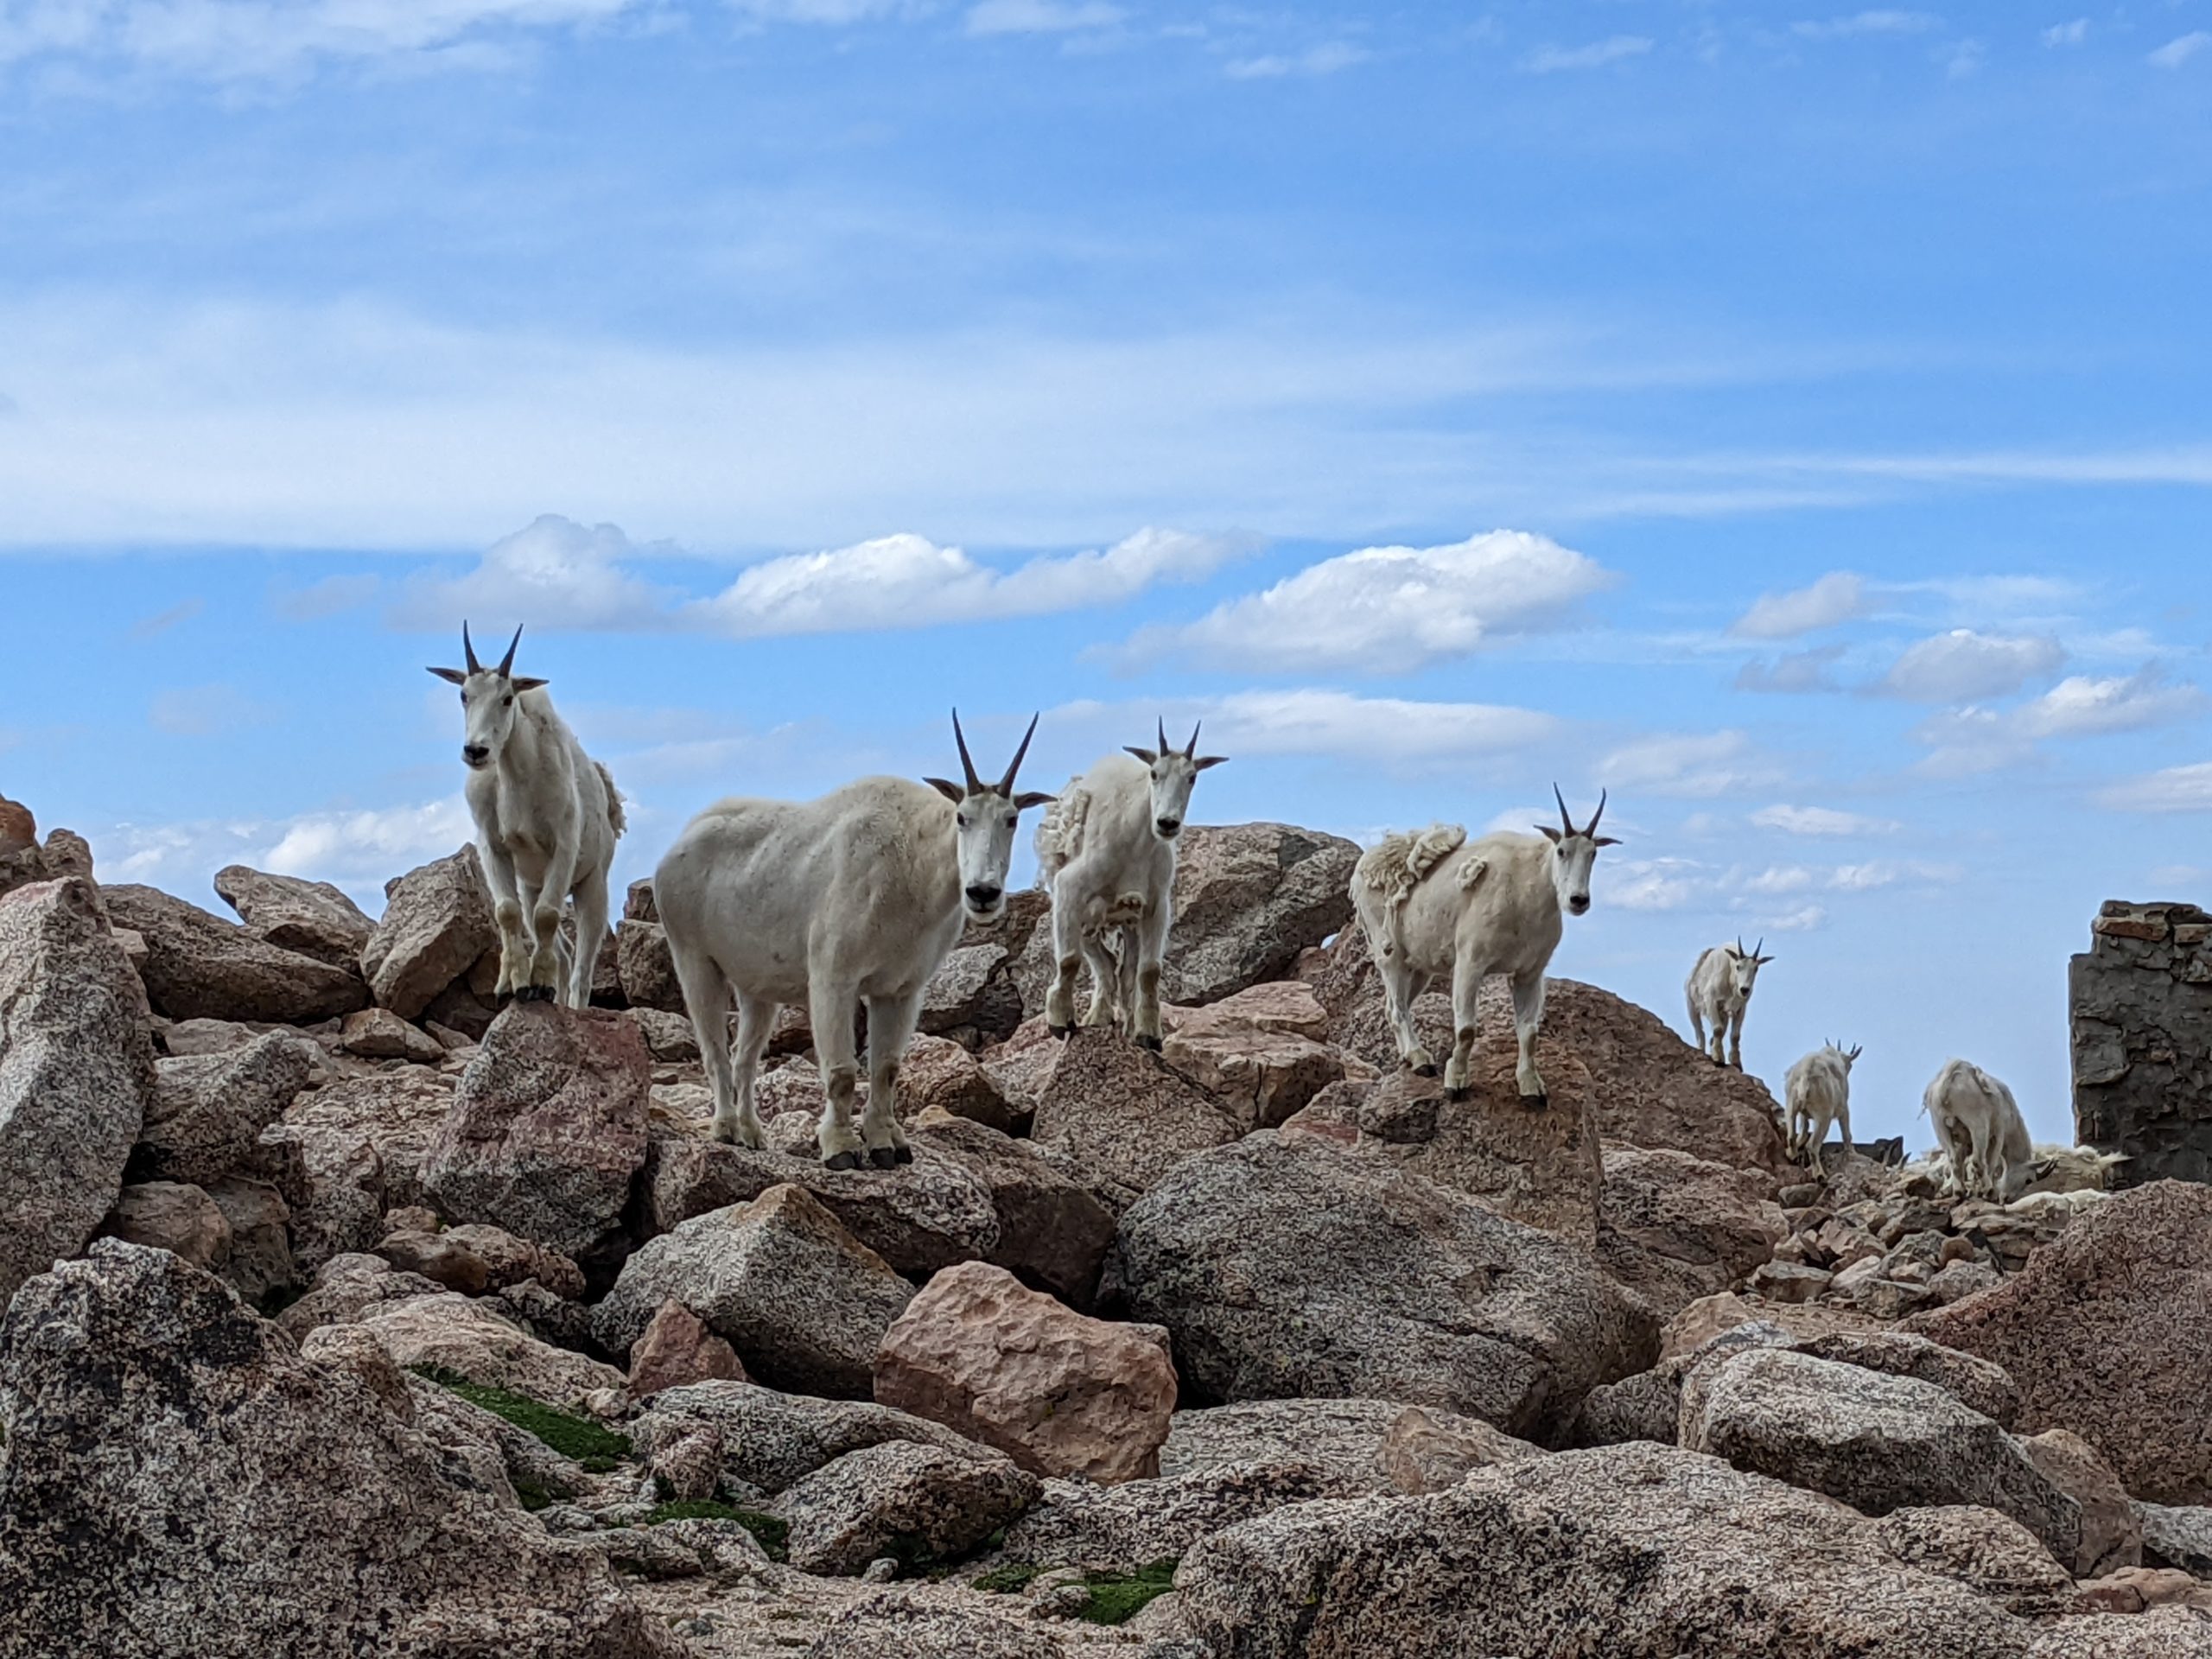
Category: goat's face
<point>984,818</point>
<point>1744,966</point>
<point>1174,772</point>
<point>1574,853</point>
<point>487,702</point>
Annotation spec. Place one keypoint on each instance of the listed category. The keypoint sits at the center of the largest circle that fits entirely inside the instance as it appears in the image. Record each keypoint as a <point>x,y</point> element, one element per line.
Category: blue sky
<point>1791,419</point>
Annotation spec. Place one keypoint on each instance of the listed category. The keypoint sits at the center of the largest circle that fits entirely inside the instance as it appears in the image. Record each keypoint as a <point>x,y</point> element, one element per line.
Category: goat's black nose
<point>1167,826</point>
<point>984,897</point>
<point>1578,906</point>
<point>474,753</point>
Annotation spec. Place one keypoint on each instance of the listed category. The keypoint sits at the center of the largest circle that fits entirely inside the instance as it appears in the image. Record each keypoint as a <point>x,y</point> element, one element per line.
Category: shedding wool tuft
<point>1397,864</point>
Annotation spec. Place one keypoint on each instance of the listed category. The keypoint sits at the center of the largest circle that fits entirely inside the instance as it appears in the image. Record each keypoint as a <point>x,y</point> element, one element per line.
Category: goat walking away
<point>1720,991</point>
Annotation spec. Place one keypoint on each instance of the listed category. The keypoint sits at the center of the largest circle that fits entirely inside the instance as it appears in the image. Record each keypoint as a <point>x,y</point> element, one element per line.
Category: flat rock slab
<point>198,964</point>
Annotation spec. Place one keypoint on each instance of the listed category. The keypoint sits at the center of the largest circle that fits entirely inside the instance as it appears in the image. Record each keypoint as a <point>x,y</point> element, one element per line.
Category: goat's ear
<point>1606,841</point>
<point>951,791</point>
<point>1205,760</point>
<point>1145,755</point>
<point>1030,798</point>
<point>525,682</point>
<point>451,676</point>
<point>1549,833</point>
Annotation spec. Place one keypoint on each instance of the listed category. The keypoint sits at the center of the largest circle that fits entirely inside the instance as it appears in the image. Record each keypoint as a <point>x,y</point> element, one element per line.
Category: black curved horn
<point>1191,753</point>
<point>508,661</point>
<point>1566,822</point>
<point>1162,749</point>
<point>1006,783</point>
<point>975,784</point>
<point>1591,830</point>
<point>475,667</point>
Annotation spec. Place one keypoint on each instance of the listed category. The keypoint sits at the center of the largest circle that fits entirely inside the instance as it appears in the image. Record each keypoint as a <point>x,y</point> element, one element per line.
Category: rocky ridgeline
<point>350,1314</point>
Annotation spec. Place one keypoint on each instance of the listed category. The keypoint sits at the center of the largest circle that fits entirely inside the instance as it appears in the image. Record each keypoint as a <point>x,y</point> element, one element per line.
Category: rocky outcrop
<point>679,1347</point>
<point>76,1073</point>
<point>1013,1369</point>
<point>1131,1526</point>
<point>2141,1004</point>
<point>198,965</point>
<point>436,924</point>
<point>1676,1228</point>
<point>547,1131</point>
<point>1280,1266</point>
<point>1260,1054</point>
<point>449,1333</point>
<point>1121,1113</point>
<point>310,917</point>
<point>804,1303</point>
<point>2132,1277</point>
<point>228,1461</point>
<point>916,1503</point>
<point>1354,1442</point>
<point>208,1110</point>
<point>1248,898</point>
<point>1051,1233</point>
<point>770,1439</point>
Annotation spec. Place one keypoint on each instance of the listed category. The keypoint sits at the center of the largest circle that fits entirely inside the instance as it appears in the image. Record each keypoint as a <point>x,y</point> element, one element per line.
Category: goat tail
<point>616,820</point>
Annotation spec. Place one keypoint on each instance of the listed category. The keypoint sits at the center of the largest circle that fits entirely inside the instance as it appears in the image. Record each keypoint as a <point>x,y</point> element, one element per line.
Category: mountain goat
<point>854,898</point>
<point>1434,905</point>
<point>1106,853</point>
<point>1978,1124</point>
<point>1719,992</point>
<point>547,818</point>
<point>1818,1091</point>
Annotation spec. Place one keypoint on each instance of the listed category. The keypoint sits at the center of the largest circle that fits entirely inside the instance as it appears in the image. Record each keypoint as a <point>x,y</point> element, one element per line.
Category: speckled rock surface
<point>771,1439</point>
<point>918,1503</point>
<point>1051,1231</point>
<point>436,924</point>
<point>198,964</point>
<point>208,1110</point>
<point>312,918</point>
<point>1124,1527</point>
<point>1342,1438</point>
<point>678,1347</point>
<point>451,1332</point>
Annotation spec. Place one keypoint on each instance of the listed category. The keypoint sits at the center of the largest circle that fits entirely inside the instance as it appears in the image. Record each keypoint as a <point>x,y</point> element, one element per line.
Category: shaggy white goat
<point>1434,905</point>
<point>1106,853</point>
<point>547,818</point>
<point>1979,1125</point>
<point>1719,994</point>
<point>854,898</point>
<point>2055,1171</point>
<point>1818,1091</point>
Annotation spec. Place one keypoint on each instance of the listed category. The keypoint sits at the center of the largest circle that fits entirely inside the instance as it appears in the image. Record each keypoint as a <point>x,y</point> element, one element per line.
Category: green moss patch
<point>773,1531</point>
<point>1007,1580</point>
<point>596,1447</point>
<point>1117,1598</point>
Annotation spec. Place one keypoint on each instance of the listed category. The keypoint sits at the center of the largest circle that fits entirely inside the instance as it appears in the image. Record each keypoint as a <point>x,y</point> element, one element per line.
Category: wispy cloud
<point>332,596</point>
<point>2173,789</point>
<point>1040,16</point>
<point>1821,821</point>
<point>1616,49</point>
<point>1964,666</point>
<point>1324,59</point>
<point>1391,609</point>
<point>2179,51</point>
<point>1693,766</point>
<point>1797,673</point>
<point>205,711</point>
<point>1837,597</point>
<point>1972,741</point>
<point>357,849</point>
<point>2072,33</point>
<point>148,627</point>
<point>1867,22</point>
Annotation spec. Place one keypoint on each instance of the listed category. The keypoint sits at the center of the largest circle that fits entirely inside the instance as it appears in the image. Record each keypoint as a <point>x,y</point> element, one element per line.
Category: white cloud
<point>1780,878</point>
<point>1868,23</point>
<point>1798,672</point>
<point>1864,878</point>
<point>1821,821</point>
<point>2082,707</point>
<point>331,596</point>
<point>1040,16</point>
<point>147,628</point>
<point>1391,609</point>
<point>2179,50</point>
<point>1962,59</point>
<point>2071,34</point>
<point>358,849</point>
<point>1386,729</point>
<point>1961,666</point>
<point>1967,742</point>
<point>1803,919</point>
<point>1324,59</point>
<point>1837,597</point>
<point>1652,883</point>
<point>907,581</point>
<point>1618,48</point>
<point>2174,789</point>
<point>553,572</point>
<point>1694,766</point>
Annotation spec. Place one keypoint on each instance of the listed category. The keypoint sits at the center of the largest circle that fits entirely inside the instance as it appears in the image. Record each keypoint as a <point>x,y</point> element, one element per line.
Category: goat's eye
<point>961,818</point>
<point>1012,819</point>
<point>510,702</point>
<point>464,699</point>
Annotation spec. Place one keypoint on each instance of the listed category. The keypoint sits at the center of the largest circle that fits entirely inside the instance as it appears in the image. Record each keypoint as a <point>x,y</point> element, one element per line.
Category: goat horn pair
<point>1190,751</point>
<point>505,663</point>
<point>1566,822</point>
<point>975,784</point>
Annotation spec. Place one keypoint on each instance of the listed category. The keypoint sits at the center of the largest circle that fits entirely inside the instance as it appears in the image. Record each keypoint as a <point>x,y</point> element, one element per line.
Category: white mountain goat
<point>547,818</point>
<point>1978,1124</point>
<point>1818,1091</point>
<point>1434,905</point>
<point>854,898</point>
<point>1106,853</point>
<point>1719,993</point>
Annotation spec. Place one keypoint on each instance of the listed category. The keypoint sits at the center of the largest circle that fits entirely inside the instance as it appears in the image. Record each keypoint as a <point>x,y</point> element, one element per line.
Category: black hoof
<point>1428,1070</point>
<point>883,1158</point>
<point>841,1161</point>
<point>1459,1097</point>
<point>534,994</point>
<point>1152,1043</point>
<point>902,1154</point>
<point>1536,1102</point>
<point>1061,1031</point>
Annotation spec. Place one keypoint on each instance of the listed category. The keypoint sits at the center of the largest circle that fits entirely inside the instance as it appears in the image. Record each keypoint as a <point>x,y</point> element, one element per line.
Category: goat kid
<point>1106,853</point>
<point>853,899</point>
<point>547,818</point>
<point>1434,905</point>
<point>1719,992</point>
<point>1818,1091</point>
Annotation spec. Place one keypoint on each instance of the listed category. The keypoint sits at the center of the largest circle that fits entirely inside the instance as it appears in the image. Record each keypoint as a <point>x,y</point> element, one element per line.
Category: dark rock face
<point>245,1501</point>
<point>198,965</point>
<point>2141,998</point>
<point>76,1073</point>
<point>915,1501</point>
<point>1282,1265</point>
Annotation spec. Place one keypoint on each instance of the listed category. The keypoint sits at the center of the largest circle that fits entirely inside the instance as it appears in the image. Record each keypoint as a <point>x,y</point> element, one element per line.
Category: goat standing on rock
<point>1433,904</point>
<point>1979,1124</point>
<point>547,818</point>
<point>1106,853</point>
<point>1719,993</point>
<point>1818,1091</point>
<point>857,897</point>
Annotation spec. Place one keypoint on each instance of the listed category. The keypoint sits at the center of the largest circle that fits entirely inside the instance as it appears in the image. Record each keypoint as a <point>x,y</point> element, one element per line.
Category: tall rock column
<point>2141,1017</point>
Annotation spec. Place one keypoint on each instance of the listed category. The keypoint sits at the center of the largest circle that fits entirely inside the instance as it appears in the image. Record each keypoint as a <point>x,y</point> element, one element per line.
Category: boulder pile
<point>347,1311</point>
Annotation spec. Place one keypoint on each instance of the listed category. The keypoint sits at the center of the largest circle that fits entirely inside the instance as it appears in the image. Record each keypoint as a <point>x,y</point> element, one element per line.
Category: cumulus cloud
<point>2179,50</point>
<point>553,573</point>
<point>907,581</point>
<point>1040,16</point>
<point>1836,597</point>
<point>1693,766</point>
<point>1963,666</point>
<point>1320,721</point>
<point>356,848</point>
<point>1796,672</point>
<point>1821,821</point>
<point>1652,883</point>
<point>2080,706</point>
<point>1391,609</point>
<point>1616,49</point>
